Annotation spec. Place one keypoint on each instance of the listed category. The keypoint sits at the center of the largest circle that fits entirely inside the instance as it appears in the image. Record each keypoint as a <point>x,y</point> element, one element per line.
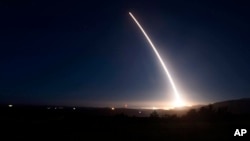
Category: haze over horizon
<point>92,53</point>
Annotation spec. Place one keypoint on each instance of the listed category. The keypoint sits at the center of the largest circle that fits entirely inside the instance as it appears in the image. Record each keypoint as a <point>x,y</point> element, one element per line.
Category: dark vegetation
<point>208,122</point>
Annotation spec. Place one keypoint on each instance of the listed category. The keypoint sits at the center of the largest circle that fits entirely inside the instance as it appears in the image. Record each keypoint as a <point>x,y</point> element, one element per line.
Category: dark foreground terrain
<point>43,123</point>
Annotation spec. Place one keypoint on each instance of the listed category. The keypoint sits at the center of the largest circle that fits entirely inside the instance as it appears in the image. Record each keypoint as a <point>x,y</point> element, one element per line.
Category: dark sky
<point>92,53</point>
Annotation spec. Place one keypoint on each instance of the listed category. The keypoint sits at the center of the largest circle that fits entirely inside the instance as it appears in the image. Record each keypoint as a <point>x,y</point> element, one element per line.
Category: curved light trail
<point>178,101</point>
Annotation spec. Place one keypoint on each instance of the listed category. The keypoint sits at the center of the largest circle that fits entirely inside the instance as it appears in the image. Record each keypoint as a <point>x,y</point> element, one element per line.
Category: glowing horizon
<point>179,102</point>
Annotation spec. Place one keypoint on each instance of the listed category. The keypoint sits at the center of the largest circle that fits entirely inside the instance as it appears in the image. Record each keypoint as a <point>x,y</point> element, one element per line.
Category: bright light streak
<point>178,102</point>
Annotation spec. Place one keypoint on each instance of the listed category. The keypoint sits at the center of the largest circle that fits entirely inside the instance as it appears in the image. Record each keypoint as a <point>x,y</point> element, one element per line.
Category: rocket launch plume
<point>178,101</point>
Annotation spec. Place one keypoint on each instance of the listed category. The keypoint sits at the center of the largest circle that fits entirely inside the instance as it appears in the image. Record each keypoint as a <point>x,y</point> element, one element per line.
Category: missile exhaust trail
<point>178,99</point>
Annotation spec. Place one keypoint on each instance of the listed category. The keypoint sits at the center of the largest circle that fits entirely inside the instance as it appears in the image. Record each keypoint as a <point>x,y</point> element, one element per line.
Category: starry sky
<point>91,53</point>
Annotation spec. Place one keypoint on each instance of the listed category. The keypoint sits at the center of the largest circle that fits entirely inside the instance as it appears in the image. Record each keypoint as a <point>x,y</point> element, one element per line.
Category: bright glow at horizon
<point>178,102</point>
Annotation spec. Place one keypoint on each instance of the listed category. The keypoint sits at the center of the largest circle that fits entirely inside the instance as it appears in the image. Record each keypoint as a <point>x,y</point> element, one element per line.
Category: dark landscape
<point>102,70</point>
<point>213,122</point>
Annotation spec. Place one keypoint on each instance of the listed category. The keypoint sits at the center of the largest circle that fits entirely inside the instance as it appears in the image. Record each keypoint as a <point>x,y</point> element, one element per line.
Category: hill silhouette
<point>238,106</point>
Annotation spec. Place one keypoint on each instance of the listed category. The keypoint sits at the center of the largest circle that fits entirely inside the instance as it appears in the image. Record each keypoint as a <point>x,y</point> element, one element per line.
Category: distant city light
<point>126,106</point>
<point>10,105</point>
<point>113,108</point>
<point>74,108</point>
<point>167,108</point>
<point>48,108</point>
<point>55,108</point>
<point>139,112</point>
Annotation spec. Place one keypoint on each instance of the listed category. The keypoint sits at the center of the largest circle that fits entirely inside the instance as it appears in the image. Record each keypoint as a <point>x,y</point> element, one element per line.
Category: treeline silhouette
<point>207,122</point>
<point>205,113</point>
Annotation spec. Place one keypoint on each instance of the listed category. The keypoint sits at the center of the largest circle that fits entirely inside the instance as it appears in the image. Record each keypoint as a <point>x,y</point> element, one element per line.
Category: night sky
<point>93,54</point>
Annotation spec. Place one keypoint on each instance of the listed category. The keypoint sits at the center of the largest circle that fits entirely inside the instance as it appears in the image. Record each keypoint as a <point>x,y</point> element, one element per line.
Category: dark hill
<point>238,106</point>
